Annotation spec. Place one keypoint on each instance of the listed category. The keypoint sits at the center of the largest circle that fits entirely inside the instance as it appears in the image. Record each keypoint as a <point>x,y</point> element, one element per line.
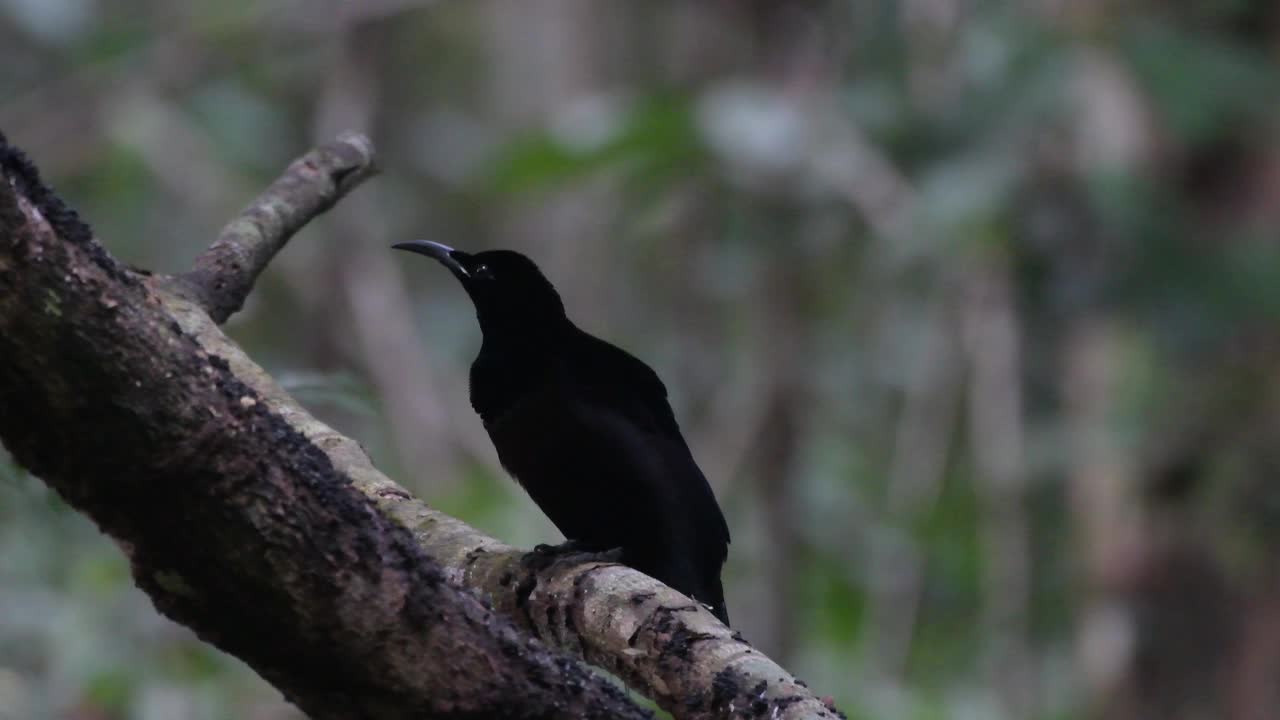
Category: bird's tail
<point>721,612</point>
<point>714,600</point>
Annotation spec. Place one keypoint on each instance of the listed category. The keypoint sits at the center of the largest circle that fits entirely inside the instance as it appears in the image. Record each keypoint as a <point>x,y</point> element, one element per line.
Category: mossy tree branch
<point>273,536</point>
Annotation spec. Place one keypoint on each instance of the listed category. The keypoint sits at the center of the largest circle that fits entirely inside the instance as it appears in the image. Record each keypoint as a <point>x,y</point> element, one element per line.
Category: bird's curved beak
<point>447,256</point>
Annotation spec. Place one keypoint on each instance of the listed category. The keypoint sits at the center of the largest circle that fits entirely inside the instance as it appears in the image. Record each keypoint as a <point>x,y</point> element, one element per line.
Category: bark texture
<point>273,536</point>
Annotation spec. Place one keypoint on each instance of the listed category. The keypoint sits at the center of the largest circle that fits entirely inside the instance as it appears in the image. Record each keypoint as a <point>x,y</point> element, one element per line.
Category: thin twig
<point>224,274</point>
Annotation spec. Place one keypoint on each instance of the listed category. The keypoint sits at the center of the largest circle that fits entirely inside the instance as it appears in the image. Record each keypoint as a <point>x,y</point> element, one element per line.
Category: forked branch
<point>274,537</point>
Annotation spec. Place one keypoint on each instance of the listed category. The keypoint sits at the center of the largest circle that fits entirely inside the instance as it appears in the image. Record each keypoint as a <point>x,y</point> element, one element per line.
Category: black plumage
<point>586,429</point>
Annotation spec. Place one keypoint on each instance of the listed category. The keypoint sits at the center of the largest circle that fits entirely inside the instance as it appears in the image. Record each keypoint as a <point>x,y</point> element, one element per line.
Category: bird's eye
<point>482,270</point>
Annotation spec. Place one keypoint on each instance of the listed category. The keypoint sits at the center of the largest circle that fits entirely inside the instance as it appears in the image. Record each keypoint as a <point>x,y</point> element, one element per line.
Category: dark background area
<point>967,310</point>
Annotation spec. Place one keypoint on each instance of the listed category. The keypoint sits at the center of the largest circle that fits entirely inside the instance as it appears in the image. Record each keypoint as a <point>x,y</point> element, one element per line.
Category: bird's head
<point>510,292</point>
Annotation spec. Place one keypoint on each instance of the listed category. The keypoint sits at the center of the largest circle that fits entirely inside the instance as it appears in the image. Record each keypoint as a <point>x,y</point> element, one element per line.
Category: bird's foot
<point>574,550</point>
<point>613,555</point>
<point>574,547</point>
<point>563,548</point>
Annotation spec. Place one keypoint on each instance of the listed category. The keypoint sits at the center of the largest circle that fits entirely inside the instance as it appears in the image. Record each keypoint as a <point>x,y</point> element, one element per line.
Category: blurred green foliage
<point>791,210</point>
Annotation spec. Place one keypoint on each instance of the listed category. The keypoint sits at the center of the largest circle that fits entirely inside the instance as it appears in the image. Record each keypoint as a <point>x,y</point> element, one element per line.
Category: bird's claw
<point>610,555</point>
<point>577,550</point>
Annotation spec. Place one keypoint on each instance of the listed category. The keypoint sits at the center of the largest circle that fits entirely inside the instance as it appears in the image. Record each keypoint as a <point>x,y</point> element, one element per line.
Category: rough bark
<point>124,398</point>
<point>224,274</point>
<point>273,537</point>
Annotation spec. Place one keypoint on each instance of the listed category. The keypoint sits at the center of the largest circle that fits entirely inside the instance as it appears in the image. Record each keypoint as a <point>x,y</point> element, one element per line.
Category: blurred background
<point>967,309</point>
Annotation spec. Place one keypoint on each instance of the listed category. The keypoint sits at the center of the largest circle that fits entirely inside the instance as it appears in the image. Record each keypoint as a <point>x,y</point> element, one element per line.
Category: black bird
<point>586,429</point>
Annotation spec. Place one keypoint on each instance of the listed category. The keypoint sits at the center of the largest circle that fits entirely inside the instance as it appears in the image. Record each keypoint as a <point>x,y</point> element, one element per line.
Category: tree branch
<point>224,274</point>
<point>274,537</point>
<point>122,397</point>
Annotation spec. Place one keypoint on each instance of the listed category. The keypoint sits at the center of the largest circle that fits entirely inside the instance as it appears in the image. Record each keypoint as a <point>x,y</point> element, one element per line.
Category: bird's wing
<point>622,381</point>
<point>618,382</point>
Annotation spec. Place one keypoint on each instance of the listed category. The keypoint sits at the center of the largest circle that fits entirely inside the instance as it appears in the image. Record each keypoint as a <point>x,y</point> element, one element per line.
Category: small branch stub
<point>224,274</point>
